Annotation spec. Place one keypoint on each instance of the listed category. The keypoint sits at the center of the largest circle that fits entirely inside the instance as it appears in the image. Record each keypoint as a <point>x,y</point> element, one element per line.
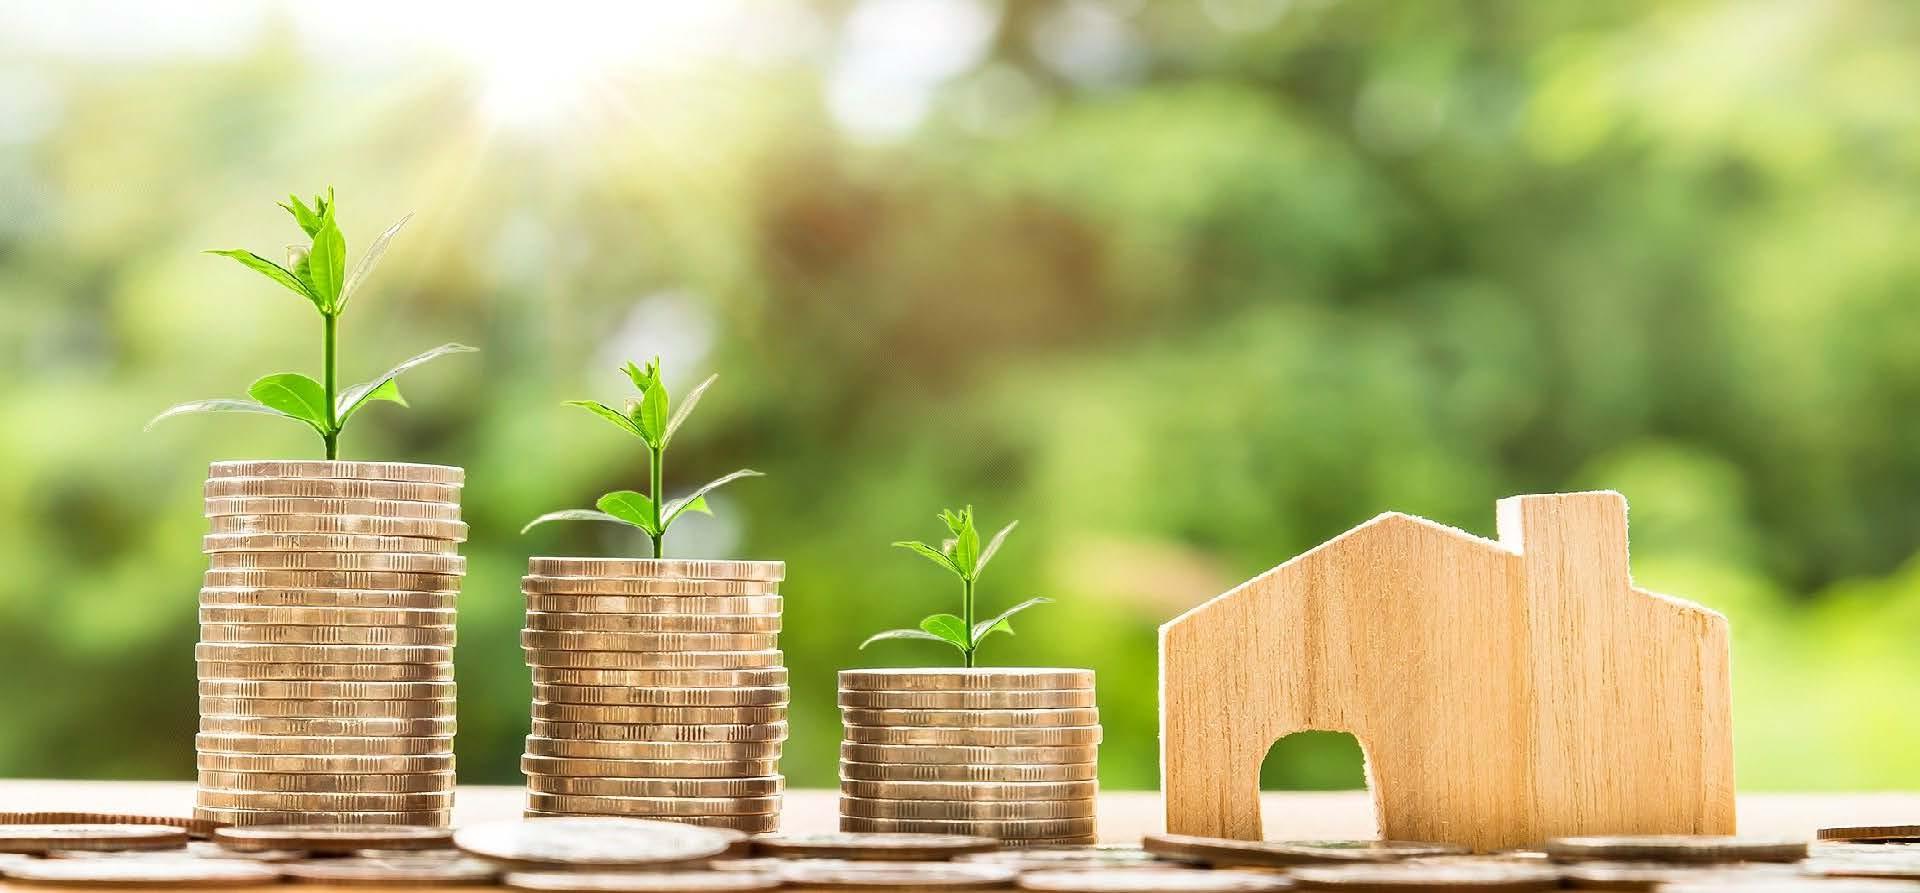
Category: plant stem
<point>332,435</point>
<point>656,459</point>
<point>966,616</point>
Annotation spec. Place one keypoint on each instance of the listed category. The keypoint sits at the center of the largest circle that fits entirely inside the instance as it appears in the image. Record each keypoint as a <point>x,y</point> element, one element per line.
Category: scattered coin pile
<point>326,643</point>
<point>658,690</point>
<point>1003,753</point>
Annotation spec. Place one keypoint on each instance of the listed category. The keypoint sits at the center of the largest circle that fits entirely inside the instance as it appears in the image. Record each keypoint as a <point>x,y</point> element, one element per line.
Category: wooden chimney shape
<point>1502,692</point>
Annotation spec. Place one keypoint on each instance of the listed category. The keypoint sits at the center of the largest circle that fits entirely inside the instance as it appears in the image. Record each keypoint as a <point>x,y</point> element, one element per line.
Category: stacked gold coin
<point>658,690</point>
<point>1004,752</point>
<point>326,643</point>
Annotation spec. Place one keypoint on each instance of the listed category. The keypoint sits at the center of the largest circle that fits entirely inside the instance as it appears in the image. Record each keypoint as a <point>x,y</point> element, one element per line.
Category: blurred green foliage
<point>1186,307</point>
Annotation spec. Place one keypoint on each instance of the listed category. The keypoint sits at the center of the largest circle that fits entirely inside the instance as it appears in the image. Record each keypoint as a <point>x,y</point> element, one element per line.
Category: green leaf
<point>901,634</point>
<point>999,622</point>
<point>993,546</point>
<point>966,541</point>
<point>630,506</point>
<point>686,406</point>
<point>388,390</point>
<point>674,508</point>
<point>573,515</point>
<point>932,554</point>
<point>272,271</point>
<point>350,399</point>
<point>296,395</point>
<point>699,504</point>
<point>610,414</point>
<point>643,379</point>
<point>215,406</point>
<point>371,257</point>
<point>303,215</point>
<point>327,260</point>
<point>950,629</point>
<point>651,416</point>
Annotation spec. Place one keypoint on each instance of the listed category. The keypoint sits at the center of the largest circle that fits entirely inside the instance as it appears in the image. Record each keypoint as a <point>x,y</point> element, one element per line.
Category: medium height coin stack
<point>326,643</point>
<point>1004,752</point>
<point>658,690</point>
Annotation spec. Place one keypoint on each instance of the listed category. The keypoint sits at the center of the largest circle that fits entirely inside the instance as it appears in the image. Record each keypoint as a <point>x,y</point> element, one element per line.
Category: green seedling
<point>647,418</point>
<point>317,272</point>
<point>964,558</point>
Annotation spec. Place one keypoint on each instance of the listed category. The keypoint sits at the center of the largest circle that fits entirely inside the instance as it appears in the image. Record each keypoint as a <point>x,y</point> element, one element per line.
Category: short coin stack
<point>326,643</point>
<point>658,690</point>
<point>1009,753</point>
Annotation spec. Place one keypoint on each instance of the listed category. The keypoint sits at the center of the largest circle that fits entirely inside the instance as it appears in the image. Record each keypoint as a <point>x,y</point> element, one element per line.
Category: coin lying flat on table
<point>897,875</point>
<point>326,542</point>
<point>650,713</point>
<point>288,579</point>
<point>1649,876</point>
<point>143,873</point>
<point>1036,699</point>
<point>193,827</point>
<point>339,470</point>
<point>677,679</point>
<point>653,806</point>
<point>1286,853</point>
<point>970,773</point>
<point>1873,833</point>
<point>988,756</point>
<point>637,696</point>
<point>1052,858</point>
<point>334,838</point>
<point>260,614</point>
<point>965,810</point>
<point>324,745</point>
<point>358,525</point>
<point>330,488</point>
<point>384,872</point>
<point>327,783</point>
<point>1151,880</point>
<point>309,599</point>
<point>998,679</point>
<point>654,623</point>
<point>654,660</point>
<point>971,719</point>
<point>409,562</point>
<point>434,817</point>
<point>541,746</point>
<point>1066,736</point>
<point>593,842</point>
<point>1676,848</point>
<point>874,847</point>
<point>1478,877</point>
<point>535,584</point>
<point>38,838</point>
<point>688,568</point>
<point>1005,829</point>
<point>971,791</point>
<point>613,770</point>
<point>709,605</point>
<point>643,882</point>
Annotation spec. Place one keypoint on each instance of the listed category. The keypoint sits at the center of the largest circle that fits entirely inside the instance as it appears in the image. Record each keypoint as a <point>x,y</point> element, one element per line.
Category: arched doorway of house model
<point>1319,761</point>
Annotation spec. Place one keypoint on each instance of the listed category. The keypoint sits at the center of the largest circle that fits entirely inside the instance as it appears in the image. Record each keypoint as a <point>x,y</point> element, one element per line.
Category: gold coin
<point>972,719</point>
<point>995,791</point>
<point>325,542</point>
<point>1030,844</point>
<point>327,709</point>
<point>770,676</point>
<point>672,751</point>
<point>327,691</point>
<point>592,843</point>
<point>654,660</point>
<point>1481,878</point>
<point>749,824</point>
<point>325,488</point>
<point>1676,848</point>
<point>322,745</point>
<point>1290,853</point>
<point>646,769</point>
<point>997,737</point>
<point>982,756</point>
<point>150,874</point>
<point>409,562</point>
<point>762,696</point>
<point>976,679</point>
<point>193,827</point>
<point>643,881</point>
<point>1872,833</point>
<point>311,783</point>
<point>731,605</point>
<point>711,732</point>
<point>760,786</point>
<point>286,579</point>
<point>655,623</point>
<point>340,470</point>
<point>1041,699</point>
<point>327,728</point>
<point>215,798</point>
<point>965,810</point>
<point>249,671</point>
<point>962,772</point>
<point>300,505</point>
<point>874,847</point>
<point>386,871</point>
<point>535,584</point>
<point>40,838</point>
<point>1005,829</point>
<point>592,641</point>
<point>327,616</point>
<point>1128,878</point>
<point>334,839</point>
<point>429,817</point>
<point>294,634</point>
<point>1074,854</point>
<point>359,599</point>
<point>663,568</point>
<point>653,806</point>
<point>359,525</point>
<point>246,652</point>
<point>937,875</point>
<point>652,714</point>
<point>323,766</point>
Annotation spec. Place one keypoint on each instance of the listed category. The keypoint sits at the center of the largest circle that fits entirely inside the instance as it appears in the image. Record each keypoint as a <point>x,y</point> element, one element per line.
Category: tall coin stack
<point>658,690</point>
<point>326,643</point>
<point>1010,753</point>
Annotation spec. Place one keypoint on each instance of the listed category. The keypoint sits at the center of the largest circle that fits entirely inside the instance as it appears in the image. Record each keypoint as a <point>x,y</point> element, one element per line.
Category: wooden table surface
<point>1124,815</point>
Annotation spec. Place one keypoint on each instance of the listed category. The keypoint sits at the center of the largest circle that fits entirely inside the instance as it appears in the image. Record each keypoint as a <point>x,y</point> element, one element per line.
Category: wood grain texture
<point>1502,692</point>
